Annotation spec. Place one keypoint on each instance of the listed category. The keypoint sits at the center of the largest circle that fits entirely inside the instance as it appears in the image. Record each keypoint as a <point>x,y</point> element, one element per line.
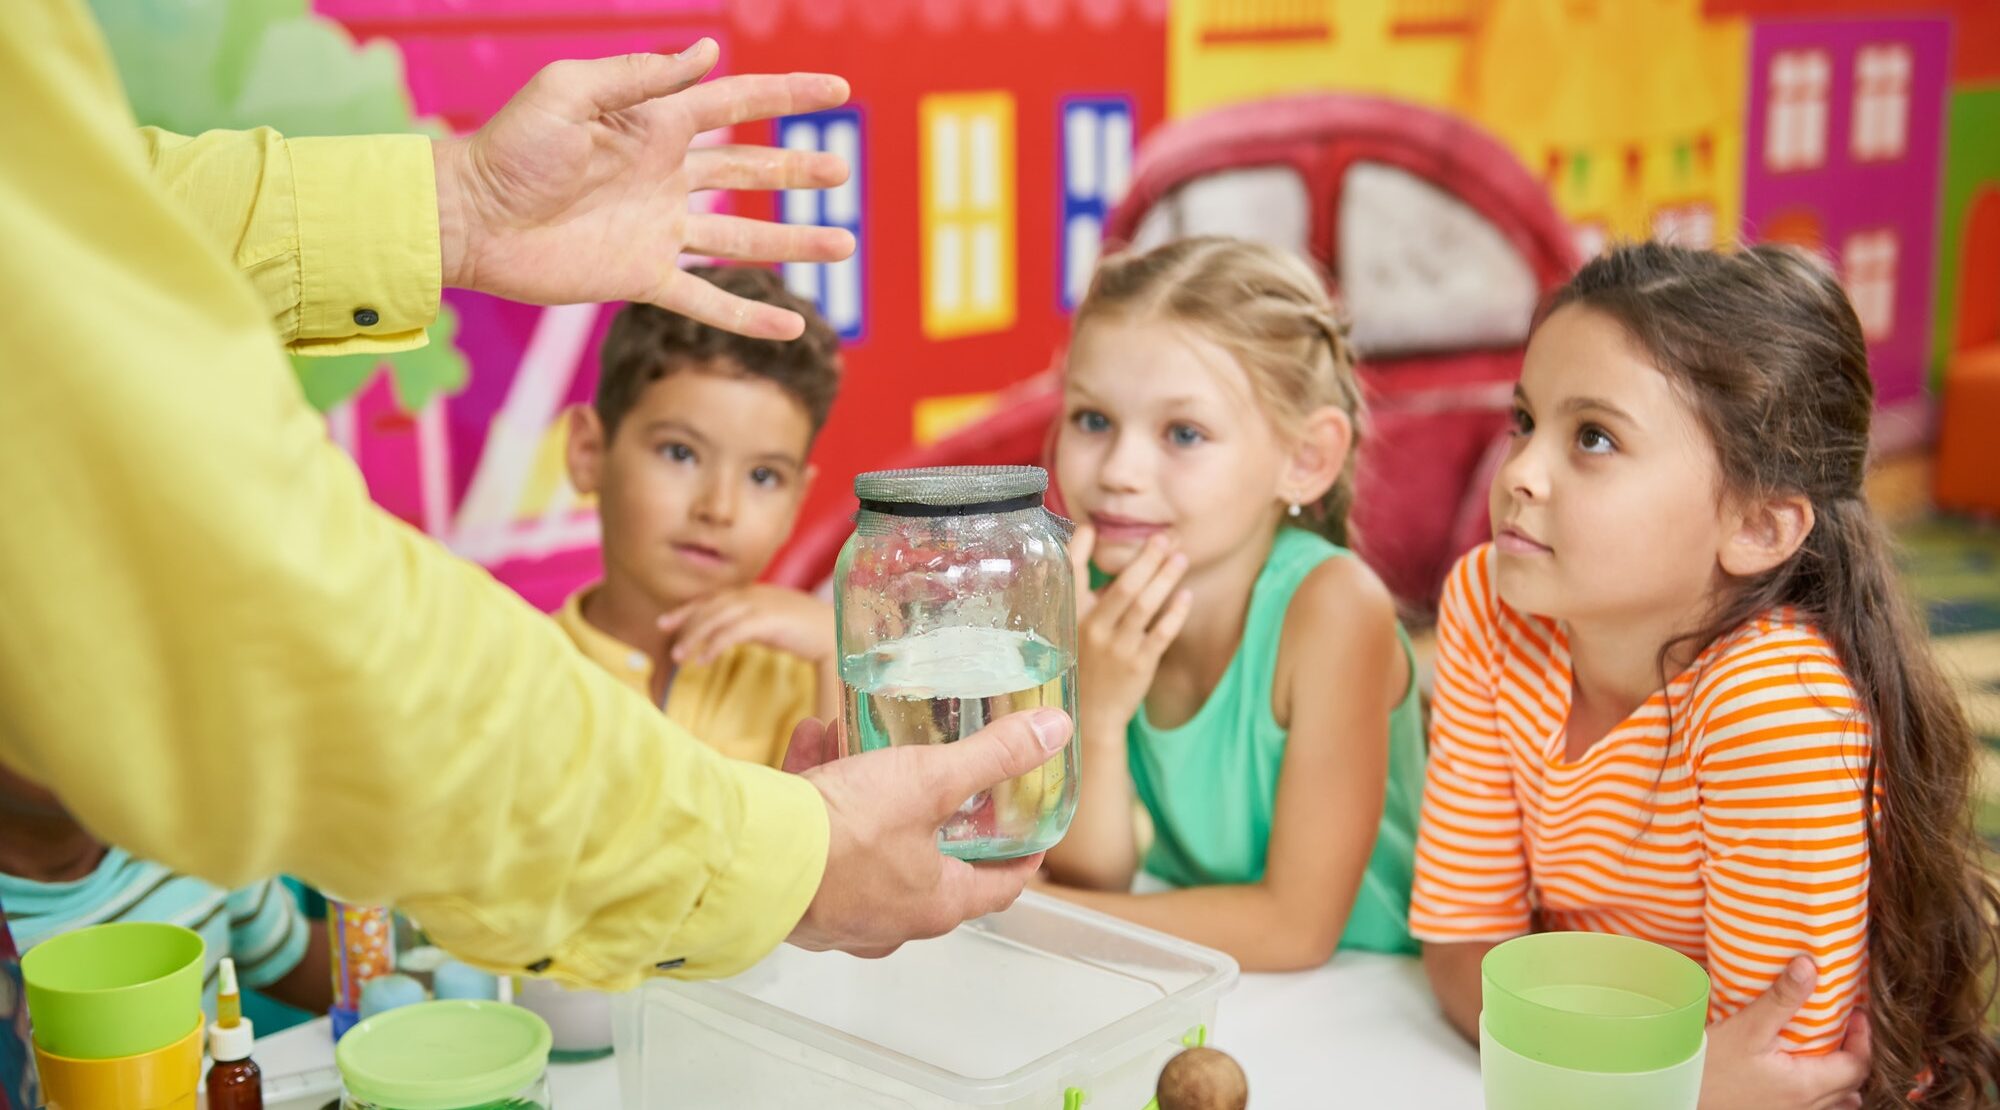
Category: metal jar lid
<point>935,491</point>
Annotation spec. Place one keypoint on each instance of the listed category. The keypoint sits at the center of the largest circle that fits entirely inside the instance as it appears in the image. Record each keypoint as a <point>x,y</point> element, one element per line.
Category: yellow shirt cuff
<point>777,843</point>
<point>780,858</point>
<point>369,265</point>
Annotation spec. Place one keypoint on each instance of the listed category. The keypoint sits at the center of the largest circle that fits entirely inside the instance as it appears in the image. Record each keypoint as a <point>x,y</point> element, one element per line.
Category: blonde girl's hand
<point>1124,629</point>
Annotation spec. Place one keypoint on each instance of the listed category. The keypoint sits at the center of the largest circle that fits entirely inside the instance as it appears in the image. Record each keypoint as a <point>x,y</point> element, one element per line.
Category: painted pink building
<point>480,470</point>
<point>1842,151</point>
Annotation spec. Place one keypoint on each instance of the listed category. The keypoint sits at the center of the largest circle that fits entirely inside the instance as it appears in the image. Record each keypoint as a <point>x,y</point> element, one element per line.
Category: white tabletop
<point>1361,1031</point>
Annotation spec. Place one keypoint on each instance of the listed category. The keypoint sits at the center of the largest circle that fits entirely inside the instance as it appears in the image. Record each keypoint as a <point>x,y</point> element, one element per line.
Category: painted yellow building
<point>1630,110</point>
<point>1230,51</point>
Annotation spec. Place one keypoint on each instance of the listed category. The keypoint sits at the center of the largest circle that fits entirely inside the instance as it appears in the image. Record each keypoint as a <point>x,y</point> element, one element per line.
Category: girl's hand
<point>1123,631</point>
<point>1749,1069</point>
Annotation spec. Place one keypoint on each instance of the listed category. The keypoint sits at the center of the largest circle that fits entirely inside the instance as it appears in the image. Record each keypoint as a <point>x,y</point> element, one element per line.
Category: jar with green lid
<point>452,1055</point>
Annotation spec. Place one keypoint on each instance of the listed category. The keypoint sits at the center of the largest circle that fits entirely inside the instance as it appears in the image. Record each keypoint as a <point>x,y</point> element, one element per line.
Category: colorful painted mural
<point>994,140</point>
<point>1842,153</point>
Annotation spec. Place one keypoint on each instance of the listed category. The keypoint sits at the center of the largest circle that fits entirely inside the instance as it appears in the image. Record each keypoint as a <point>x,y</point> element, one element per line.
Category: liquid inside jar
<point>948,683</point>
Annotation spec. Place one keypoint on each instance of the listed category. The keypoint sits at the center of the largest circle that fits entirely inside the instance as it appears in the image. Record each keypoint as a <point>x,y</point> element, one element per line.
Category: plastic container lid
<point>443,1055</point>
<point>1036,994</point>
<point>114,990</point>
<point>1594,1002</point>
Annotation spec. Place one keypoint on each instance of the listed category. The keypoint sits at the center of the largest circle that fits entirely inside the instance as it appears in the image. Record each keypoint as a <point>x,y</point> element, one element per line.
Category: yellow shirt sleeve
<point>338,236</point>
<point>223,656</point>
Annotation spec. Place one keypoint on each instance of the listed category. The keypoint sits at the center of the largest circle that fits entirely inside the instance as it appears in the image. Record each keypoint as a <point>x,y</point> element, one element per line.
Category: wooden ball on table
<point>1203,1079</point>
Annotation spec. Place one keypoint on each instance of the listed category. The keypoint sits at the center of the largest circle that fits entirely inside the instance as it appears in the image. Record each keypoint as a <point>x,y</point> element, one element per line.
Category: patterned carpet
<point>1953,568</point>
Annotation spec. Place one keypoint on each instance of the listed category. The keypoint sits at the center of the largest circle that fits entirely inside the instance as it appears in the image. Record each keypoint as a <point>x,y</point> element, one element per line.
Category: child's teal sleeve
<point>267,933</point>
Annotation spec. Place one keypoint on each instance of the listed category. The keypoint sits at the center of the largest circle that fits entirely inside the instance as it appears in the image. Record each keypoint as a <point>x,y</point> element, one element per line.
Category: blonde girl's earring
<point>1295,510</point>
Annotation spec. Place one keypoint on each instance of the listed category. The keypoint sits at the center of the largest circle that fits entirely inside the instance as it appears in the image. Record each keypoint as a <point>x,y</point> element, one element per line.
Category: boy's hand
<point>813,742</point>
<point>1123,631</point>
<point>701,631</point>
<point>1747,1065</point>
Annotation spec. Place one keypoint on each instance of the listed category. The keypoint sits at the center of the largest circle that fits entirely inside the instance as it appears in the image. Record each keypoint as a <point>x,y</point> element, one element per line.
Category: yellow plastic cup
<point>163,1079</point>
<point>113,991</point>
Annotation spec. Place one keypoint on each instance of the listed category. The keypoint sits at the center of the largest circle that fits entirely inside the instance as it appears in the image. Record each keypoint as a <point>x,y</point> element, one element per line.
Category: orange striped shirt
<point>1724,818</point>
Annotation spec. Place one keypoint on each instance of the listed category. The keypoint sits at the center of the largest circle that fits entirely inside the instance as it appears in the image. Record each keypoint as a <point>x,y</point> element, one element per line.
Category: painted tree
<point>196,65</point>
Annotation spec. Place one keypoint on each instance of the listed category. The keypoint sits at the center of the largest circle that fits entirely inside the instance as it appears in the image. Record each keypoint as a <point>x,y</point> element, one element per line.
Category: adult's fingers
<point>748,240</point>
<point>698,299</point>
<point>763,167</point>
<point>727,101</point>
<point>581,89</point>
<point>1013,745</point>
<point>975,890</point>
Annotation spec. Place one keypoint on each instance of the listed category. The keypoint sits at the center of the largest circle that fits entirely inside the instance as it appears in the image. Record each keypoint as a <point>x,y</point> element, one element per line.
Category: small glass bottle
<point>234,1082</point>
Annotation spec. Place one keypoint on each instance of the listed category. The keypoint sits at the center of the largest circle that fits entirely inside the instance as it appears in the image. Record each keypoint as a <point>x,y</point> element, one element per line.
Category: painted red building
<point>991,140</point>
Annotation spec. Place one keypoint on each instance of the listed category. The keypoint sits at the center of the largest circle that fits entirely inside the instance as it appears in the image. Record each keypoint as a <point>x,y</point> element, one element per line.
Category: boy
<point>56,877</point>
<point>695,448</point>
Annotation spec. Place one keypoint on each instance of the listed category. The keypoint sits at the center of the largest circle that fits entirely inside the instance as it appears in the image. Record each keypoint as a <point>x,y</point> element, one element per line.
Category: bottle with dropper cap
<point>234,1083</point>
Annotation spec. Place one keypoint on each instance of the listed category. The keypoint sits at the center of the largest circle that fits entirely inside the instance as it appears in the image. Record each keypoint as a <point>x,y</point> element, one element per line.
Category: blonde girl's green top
<point>1211,785</point>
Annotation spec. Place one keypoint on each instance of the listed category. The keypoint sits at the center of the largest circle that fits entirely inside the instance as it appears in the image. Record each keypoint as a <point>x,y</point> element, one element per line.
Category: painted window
<point>1881,128</point>
<point>1687,225</point>
<point>968,212</point>
<point>1795,115</point>
<point>1096,168</point>
<point>835,288</point>
<point>1868,265</point>
<point>1592,236</point>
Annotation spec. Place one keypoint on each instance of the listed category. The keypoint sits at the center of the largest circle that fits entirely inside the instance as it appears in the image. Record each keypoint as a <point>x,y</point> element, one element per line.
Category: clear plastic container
<point>957,606</point>
<point>1045,1005</point>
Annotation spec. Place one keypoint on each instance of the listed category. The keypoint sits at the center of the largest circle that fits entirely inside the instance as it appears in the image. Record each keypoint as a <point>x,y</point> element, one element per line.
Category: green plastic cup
<point>115,990</point>
<point>1594,1002</point>
<point>1514,1082</point>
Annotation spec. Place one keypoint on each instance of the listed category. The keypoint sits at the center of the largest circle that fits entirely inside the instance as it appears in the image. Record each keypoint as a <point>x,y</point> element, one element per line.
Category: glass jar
<point>460,1054</point>
<point>957,606</point>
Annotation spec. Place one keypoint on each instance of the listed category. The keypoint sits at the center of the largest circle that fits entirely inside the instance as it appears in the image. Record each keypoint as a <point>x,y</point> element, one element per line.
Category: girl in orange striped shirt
<point>1668,690</point>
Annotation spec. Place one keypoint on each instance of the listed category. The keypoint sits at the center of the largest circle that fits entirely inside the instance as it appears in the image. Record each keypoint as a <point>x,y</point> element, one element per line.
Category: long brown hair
<point>1268,308</point>
<point>1765,346</point>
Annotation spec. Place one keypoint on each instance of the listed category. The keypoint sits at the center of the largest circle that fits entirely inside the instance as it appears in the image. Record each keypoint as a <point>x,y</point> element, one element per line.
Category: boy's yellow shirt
<point>745,704</point>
